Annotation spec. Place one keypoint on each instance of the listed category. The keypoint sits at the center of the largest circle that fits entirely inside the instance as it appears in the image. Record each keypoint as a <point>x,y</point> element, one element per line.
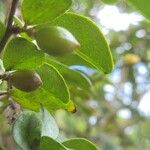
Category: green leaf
<point>19,53</point>
<point>49,126</point>
<point>143,6</point>
<point>61,138</point>
<point>43,11</point>
<point>109,1</point>
<point>26,36</point>
<point>27,130</point>
<point>53,94</point>
<point>18,22</point>
<point>74,59</point>
<point>53,82</point>
<point>50,144</point>
<point>33,100</point>
<point>94,47</point>
<point>72,77</point>
<point>2,29</point>
<point>79,144</point>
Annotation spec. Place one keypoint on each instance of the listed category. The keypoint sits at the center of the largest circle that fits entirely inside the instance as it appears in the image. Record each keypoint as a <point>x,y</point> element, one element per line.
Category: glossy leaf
<point>22,54</point>
<point>94,47</point>
<point>43,11</point>
<point>27,130</point>
<point>79,144</point>
<point>143,6</point>
<point>72,77</point>
<point>53,82</point>
<point>48,94</point>
<point>49,126</point>
<point>50,144</point>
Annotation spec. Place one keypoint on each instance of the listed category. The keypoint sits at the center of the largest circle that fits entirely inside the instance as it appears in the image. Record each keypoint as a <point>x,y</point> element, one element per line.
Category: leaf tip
<point>71,107</point>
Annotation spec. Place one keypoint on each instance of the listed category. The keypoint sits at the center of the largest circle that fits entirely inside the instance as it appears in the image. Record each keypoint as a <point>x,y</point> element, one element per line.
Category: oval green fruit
<point>25,80</point>
<point>56,41</point>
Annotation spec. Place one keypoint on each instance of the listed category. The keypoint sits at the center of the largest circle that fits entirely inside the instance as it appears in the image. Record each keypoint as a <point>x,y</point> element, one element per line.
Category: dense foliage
<point>53,58</point>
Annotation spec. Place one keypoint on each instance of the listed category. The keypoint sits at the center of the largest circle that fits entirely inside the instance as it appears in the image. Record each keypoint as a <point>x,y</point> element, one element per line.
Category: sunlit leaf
<point>79,144</point>
<point>94,47</point>
<point>19,53</point>
<point>43,11</point>
<point>53,94</point>
<point>72,77</point>
<point>143,6</point>
<point>50,144</point>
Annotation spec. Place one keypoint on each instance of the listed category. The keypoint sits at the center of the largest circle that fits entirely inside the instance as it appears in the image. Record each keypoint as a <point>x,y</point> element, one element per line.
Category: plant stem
<point>3,93</point>
<point>8,31</point>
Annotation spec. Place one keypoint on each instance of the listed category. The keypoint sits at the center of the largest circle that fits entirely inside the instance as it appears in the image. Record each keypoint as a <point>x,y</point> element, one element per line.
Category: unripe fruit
<point>25,80</point>
<point>56,41</point>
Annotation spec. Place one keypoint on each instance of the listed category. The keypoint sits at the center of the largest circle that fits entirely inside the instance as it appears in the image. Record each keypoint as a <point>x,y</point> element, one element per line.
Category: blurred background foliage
<point>115,112</point>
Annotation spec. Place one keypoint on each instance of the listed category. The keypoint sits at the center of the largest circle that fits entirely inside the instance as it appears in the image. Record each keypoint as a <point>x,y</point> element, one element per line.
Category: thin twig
<point>3,93</point>
<point>8,31</point>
